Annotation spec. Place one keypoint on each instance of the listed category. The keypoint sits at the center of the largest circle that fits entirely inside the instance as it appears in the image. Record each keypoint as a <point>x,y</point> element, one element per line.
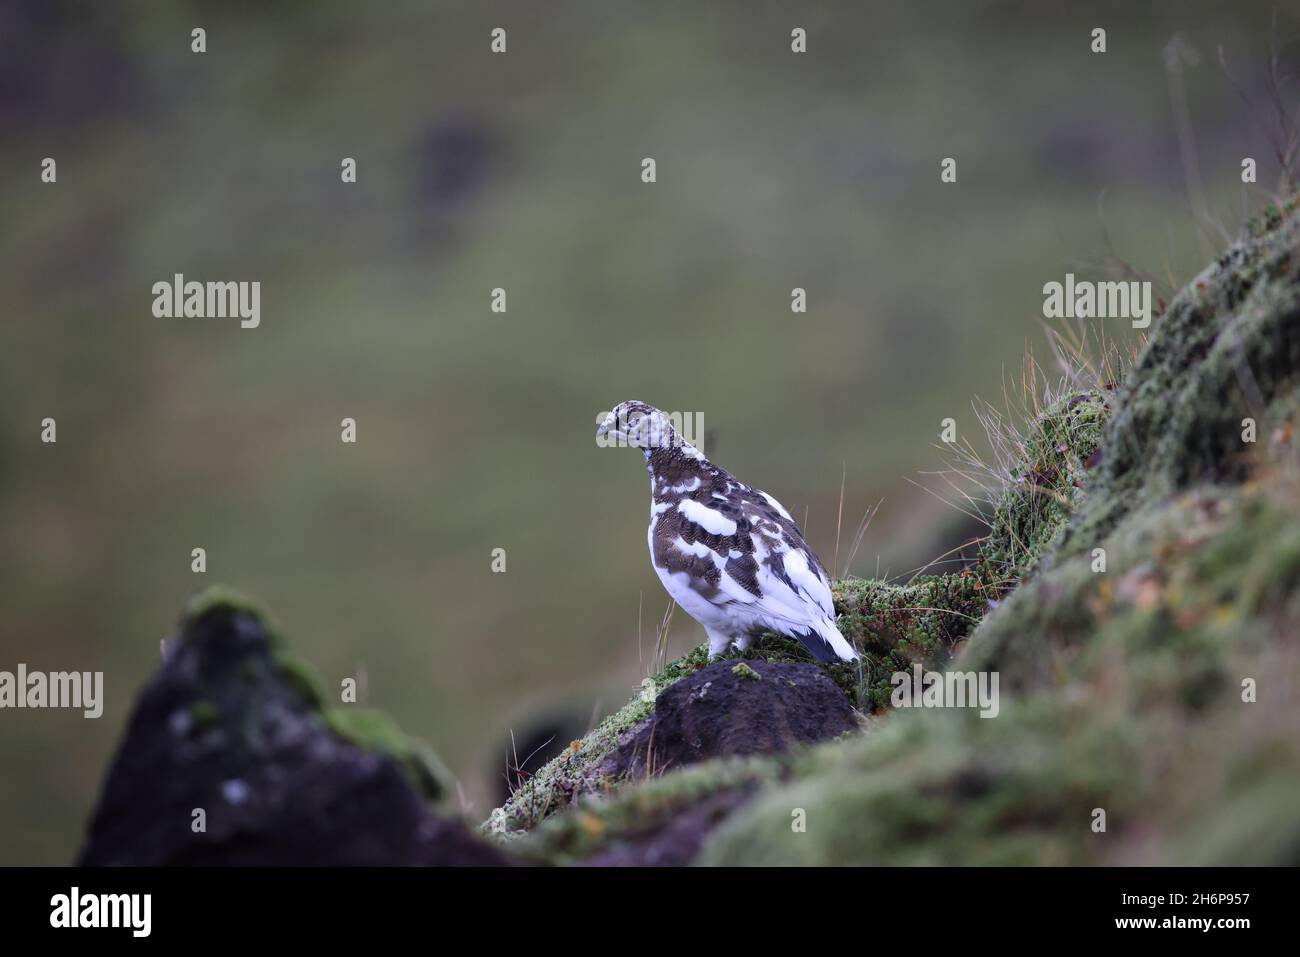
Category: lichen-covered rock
<point>728,709</point>
<point>231,758</point>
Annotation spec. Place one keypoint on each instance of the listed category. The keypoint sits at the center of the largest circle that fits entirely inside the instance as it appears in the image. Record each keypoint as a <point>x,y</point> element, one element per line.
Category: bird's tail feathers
<point>826,643</point>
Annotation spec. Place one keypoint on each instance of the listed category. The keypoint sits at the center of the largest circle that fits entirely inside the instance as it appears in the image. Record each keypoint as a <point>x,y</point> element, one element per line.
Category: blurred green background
<point>522,171</point>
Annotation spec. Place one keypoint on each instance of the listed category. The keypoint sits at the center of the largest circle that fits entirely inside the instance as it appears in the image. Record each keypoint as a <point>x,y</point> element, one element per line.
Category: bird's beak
<point>608,432</point>
<point>602,430</point>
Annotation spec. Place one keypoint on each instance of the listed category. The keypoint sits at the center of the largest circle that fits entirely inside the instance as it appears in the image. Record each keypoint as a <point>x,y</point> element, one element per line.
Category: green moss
<point>744,671</point>
<point>1259,782</point>
<point>1226,348</point>
<point>375,731</point>
<point>943,788</point>
<point>204,713</point>
<point>896,626</point>
<point>301,676</point>
<point>223,598</point>
<point>1044,491</point>
<point>1181,582</point>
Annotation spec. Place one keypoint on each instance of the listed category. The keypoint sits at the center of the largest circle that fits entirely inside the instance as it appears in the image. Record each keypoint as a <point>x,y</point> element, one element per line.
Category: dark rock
<point>230,727</point>
<point>679,839</point>
<point>733,708</point>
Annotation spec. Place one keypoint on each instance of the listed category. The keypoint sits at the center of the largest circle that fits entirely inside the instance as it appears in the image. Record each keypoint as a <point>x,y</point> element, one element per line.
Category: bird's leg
<point>743,642</point>
<point>718,643</point>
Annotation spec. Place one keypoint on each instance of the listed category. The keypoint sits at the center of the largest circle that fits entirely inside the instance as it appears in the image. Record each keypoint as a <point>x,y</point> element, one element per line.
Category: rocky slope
<point>1138,597</point>
<point>1148,705</point>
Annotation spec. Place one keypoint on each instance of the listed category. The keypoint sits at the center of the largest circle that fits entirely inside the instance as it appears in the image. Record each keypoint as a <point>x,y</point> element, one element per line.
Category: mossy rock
<point>1227,348</point>
<point>1159,690</point>
<point>231,731</point>
<point>368,729</point>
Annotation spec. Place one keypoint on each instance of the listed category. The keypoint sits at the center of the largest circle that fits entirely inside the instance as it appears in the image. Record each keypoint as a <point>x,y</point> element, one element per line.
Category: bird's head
<point>639,425</point>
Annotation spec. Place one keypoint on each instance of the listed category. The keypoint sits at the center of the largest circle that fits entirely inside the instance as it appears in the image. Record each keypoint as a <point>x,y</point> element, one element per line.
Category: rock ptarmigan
<point>730,555</point>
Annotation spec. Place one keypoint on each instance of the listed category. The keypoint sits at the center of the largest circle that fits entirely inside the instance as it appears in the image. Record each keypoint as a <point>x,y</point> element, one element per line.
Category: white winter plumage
<point>730,555</point>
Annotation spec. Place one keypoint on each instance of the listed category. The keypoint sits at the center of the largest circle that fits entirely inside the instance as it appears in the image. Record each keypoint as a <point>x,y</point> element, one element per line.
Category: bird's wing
<point>780,550</point>
<point>739,552</point>
<point>758,558</point>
